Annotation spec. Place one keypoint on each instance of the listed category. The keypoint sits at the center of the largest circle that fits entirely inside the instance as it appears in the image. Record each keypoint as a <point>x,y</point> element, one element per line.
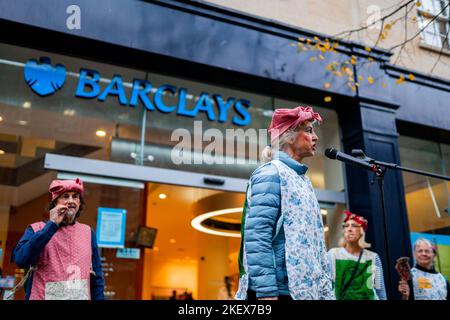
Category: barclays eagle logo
<point>43,78</point>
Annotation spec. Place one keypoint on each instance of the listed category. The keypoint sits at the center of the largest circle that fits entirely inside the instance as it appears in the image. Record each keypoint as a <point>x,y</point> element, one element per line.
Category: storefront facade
<point>159,76</point>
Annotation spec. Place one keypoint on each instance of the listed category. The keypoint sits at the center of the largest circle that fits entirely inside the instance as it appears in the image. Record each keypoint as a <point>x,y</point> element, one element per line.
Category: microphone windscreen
<point>331,153</point>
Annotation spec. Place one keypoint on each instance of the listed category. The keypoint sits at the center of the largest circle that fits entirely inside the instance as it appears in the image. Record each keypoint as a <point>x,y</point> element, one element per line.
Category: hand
<point>403,288</point>
<point>268,298</point>
<point>58,213</point>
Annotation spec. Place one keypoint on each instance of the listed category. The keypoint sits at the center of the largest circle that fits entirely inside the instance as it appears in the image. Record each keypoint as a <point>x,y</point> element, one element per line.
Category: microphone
<point>336,155</point>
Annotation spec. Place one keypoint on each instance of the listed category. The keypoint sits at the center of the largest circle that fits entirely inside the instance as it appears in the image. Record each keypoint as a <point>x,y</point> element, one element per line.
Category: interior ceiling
<point>23,157</point>
<point>422,215</point>
<point>172,217</point>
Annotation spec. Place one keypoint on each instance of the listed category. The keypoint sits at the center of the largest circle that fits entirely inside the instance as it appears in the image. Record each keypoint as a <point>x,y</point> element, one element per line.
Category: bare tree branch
<point>406,36</point>
<point>440,52</point>
<point>421,30</point>
<point>376,21</point>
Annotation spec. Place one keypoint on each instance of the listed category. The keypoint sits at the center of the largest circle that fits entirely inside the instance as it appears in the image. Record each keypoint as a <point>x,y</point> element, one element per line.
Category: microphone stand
<point>380,171</point>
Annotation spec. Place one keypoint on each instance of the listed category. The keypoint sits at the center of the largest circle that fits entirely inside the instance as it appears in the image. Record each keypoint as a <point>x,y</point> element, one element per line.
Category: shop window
<point>428,199</point>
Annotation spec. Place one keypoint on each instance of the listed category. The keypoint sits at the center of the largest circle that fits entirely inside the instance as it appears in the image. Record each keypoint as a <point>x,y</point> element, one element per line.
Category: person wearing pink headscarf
<point>291,131</point>
<point>61,254</point>
<point>283,253</point>
<point>357,271</point>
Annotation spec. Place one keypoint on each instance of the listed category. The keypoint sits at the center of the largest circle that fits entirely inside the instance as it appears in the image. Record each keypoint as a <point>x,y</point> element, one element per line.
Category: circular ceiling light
<point>205,223</point>
<point>220,214</point>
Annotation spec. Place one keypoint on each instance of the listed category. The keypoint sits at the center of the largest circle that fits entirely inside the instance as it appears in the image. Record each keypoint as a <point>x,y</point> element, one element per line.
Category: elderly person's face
<point>424,254</point>
<point>72,201</point>
<point>352,231</point>
<point>305,143</point>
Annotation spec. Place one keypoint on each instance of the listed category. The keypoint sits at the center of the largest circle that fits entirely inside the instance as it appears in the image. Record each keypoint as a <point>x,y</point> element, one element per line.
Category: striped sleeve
<point>379,280</point>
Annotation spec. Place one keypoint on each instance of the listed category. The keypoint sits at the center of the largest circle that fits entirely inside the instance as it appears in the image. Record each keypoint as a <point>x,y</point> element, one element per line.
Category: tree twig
<point>440,52</point>
<point>406,36</point>
<point>421,30</point>
<point>376,21</point>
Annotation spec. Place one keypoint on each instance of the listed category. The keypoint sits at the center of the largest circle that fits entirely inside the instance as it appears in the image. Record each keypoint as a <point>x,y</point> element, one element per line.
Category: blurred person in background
<point>357,272</point>
<point>427,283</point>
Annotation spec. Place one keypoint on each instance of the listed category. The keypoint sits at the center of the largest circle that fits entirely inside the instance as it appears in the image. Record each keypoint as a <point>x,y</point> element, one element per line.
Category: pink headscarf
<point>284,119</point>
<point>358,219</point>
<point>58,187</point>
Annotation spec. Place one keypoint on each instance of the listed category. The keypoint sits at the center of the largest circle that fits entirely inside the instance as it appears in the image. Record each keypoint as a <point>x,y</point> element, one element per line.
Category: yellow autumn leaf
<point>329,67</point>
<point>337,73</point>
<point>327,46</point>
<point>360,78</point>
<point>308,41</point>
<point>353,88</point>
<point>388,26</point>
<point>316,38</point>
<point>370,80</point>
<point>426,15</point>
<point>301,39</point>
<point>321,57</point>
<point>357,84</point>
<point>312,59</point>
<point>327,85</point>
<point>418,3</point>
<point>411,77</point>
<point>367,49</point>
<point>383,85</point>
<point>327,99</point>
<point>370,59</point>
<point>414,19</point>
<point>400,80</point>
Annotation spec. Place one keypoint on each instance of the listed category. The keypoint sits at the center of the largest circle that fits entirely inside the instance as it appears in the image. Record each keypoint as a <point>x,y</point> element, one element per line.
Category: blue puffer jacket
<point>266,254</point>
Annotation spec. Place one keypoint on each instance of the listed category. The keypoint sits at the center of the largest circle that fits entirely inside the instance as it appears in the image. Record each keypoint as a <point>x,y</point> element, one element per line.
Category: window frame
<point>439,40</point>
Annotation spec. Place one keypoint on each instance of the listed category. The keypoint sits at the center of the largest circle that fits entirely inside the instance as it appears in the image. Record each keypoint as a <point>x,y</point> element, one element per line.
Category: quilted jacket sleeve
<point>260,228</point>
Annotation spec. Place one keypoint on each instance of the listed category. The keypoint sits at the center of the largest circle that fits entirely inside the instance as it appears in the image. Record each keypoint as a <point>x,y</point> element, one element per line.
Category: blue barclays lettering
<point>88,87</point>
<point>115,87</point>
<point>241,108</point>
<point>158,98</point>
<point>88,78</point>
<point>141,89</point>
<point>204,104</point>
<point>223,106</point>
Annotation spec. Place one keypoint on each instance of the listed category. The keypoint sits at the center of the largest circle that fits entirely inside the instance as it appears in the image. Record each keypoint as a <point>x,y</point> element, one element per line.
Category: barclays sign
<point>45,79</point>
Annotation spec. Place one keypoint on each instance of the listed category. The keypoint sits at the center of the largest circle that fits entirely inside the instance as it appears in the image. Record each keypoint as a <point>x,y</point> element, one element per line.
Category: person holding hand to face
<point>61,253</point>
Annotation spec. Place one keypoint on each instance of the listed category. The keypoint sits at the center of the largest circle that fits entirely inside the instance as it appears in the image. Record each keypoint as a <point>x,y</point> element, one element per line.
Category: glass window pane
<point>427,199</point>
